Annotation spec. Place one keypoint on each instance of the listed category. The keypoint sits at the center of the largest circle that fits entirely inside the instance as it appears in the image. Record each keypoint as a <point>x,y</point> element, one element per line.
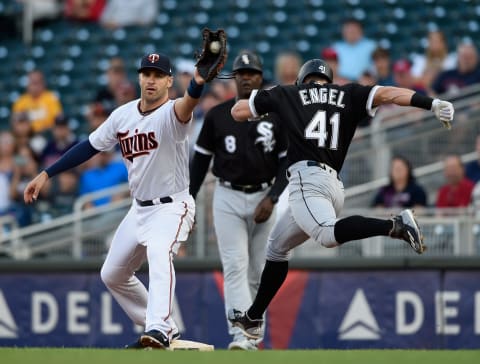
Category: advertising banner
<point>339,310</point>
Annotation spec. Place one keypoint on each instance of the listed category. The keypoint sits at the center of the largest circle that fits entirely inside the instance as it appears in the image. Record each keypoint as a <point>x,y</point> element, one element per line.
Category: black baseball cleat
<point>250,328</point>
<point>154,339</point>
<point>405,227</point>
<point>135,345</point>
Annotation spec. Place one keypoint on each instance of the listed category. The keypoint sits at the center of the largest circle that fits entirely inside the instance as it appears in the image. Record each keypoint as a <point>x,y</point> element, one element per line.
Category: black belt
<point>245,188</point>
<point>153,202</point>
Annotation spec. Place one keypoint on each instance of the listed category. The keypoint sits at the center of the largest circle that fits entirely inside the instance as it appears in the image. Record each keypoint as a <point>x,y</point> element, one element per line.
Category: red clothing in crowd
<point>455,196</point>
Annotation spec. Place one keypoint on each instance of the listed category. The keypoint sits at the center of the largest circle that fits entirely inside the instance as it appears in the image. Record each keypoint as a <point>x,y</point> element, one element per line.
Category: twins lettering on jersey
<point>322,96</point>
<point>137,144</point>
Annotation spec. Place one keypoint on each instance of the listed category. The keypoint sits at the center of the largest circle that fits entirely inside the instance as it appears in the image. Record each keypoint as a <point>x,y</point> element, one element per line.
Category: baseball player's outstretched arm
<point>241,111</point>
<point>443,110</point>
<point>184,106</point>
<point>76,155</point>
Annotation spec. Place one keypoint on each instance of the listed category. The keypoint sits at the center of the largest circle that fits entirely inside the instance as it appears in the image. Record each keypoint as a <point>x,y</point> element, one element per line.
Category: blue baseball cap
<point>156,61</point>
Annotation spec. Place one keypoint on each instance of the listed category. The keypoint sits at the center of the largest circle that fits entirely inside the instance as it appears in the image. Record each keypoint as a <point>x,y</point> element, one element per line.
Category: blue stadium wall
<point>335,309</point>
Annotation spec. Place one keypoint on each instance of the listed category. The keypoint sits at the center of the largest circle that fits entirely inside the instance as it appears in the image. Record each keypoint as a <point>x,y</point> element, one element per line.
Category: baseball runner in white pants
<point>152,133</point>
<point>246,158</point>
<point>321,119</point>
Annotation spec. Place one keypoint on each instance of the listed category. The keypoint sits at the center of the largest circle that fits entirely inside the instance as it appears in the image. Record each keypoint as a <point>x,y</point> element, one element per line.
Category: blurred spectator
<point>467,72</point>
<point>62,140</point>
<point>96,115</point>
<point>367,79</point>
<point>382,67</point>
<point>116,75</point>
<point>7,164</point>
<point>25,169</point>
<point>426,67</point>
<point>287,65</point>
<point>472,169</point>
<point>330,56</point>
<point>184,69</point>
<point>125,92</point>
<point>402,190</point>
<point>102,172</point>
<point>41,104</point>
<point>457,191</point>
<point>122,13</point>
<point>354,50</point>
<point>61,193</point>
<point>84,10</point>
<point>22,131</point>
<point>224,89</point>
<point>402,76</point>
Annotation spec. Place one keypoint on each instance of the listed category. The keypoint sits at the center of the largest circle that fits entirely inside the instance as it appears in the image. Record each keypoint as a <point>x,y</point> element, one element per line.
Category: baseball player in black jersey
<point>249,161</point>
<point>321,119</point>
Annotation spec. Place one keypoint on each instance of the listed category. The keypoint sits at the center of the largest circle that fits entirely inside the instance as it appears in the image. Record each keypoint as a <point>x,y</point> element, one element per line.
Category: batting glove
<point>443,111</point>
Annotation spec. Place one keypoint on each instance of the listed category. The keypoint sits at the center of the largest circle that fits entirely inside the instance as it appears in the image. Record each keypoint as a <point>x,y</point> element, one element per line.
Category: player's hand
<point>443,111</point>
<point>198,79</point>
<point>34,186</point>
<point>263,210</point>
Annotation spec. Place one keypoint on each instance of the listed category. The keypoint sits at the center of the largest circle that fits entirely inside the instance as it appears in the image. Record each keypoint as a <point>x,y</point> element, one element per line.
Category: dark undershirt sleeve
<point>76,155</point>
<point>281,178</point>
<point>198,170</point>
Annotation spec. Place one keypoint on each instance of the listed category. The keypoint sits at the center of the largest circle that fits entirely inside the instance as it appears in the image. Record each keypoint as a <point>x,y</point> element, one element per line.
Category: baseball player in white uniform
<point>152,134</point>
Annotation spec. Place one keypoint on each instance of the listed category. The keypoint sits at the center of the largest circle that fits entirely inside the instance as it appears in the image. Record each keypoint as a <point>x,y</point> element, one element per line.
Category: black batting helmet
<point>247,60</point>
<point>314,67</point>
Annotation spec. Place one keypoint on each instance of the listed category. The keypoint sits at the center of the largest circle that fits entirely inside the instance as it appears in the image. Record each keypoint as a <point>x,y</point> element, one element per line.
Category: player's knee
<point>325,236</point>
<point>277,255</point>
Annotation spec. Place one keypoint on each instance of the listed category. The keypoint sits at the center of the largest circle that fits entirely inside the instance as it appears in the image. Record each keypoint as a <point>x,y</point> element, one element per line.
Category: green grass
<point>106,356</point>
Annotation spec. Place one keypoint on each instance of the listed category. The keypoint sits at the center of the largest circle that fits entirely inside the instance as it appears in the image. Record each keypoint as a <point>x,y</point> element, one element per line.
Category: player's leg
<point>230,222</point>
<point>124,257</point>
<point>316,199</point>
<point>164,227</point>
<point>285,236</point>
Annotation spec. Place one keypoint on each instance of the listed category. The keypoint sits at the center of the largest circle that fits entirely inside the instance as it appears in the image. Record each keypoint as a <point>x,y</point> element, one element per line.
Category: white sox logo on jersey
<point>136,145</point>
<point>264,128</point>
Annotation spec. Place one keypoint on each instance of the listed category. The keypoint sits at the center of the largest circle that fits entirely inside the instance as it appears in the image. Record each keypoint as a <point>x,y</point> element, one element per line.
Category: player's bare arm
<point>443,110</point>
<point>184,106</point>
<point>33,188</point>
<point>241,111</point>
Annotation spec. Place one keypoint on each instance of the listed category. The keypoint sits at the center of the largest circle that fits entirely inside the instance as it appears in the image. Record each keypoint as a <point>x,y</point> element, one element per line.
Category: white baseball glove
<point>443,111</point>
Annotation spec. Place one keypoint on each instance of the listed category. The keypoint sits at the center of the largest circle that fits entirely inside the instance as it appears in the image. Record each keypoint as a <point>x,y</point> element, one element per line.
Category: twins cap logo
<point>245,59</point>
<point>359,322</point>
<point>153,57</point>
<point>8,327</point>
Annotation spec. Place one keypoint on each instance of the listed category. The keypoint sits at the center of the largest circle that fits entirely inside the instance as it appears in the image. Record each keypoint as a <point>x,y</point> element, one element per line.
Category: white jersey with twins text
<point>154,148</point>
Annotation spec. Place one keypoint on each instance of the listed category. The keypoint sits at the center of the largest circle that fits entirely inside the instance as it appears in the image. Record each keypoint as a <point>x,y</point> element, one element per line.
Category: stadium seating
<point>70,53</point>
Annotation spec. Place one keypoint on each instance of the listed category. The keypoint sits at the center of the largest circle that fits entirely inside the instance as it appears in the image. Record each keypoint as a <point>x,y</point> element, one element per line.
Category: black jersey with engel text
<point>321,119</point>
<point>244,153</point>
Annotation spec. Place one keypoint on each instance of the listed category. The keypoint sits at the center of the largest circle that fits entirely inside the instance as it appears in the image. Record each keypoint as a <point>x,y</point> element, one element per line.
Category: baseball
<point>215,46</point>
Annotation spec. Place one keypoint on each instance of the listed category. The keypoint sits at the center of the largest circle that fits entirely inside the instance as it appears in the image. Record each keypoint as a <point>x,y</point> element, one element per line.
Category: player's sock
<point>359,227</point>
<point>273,276</point>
